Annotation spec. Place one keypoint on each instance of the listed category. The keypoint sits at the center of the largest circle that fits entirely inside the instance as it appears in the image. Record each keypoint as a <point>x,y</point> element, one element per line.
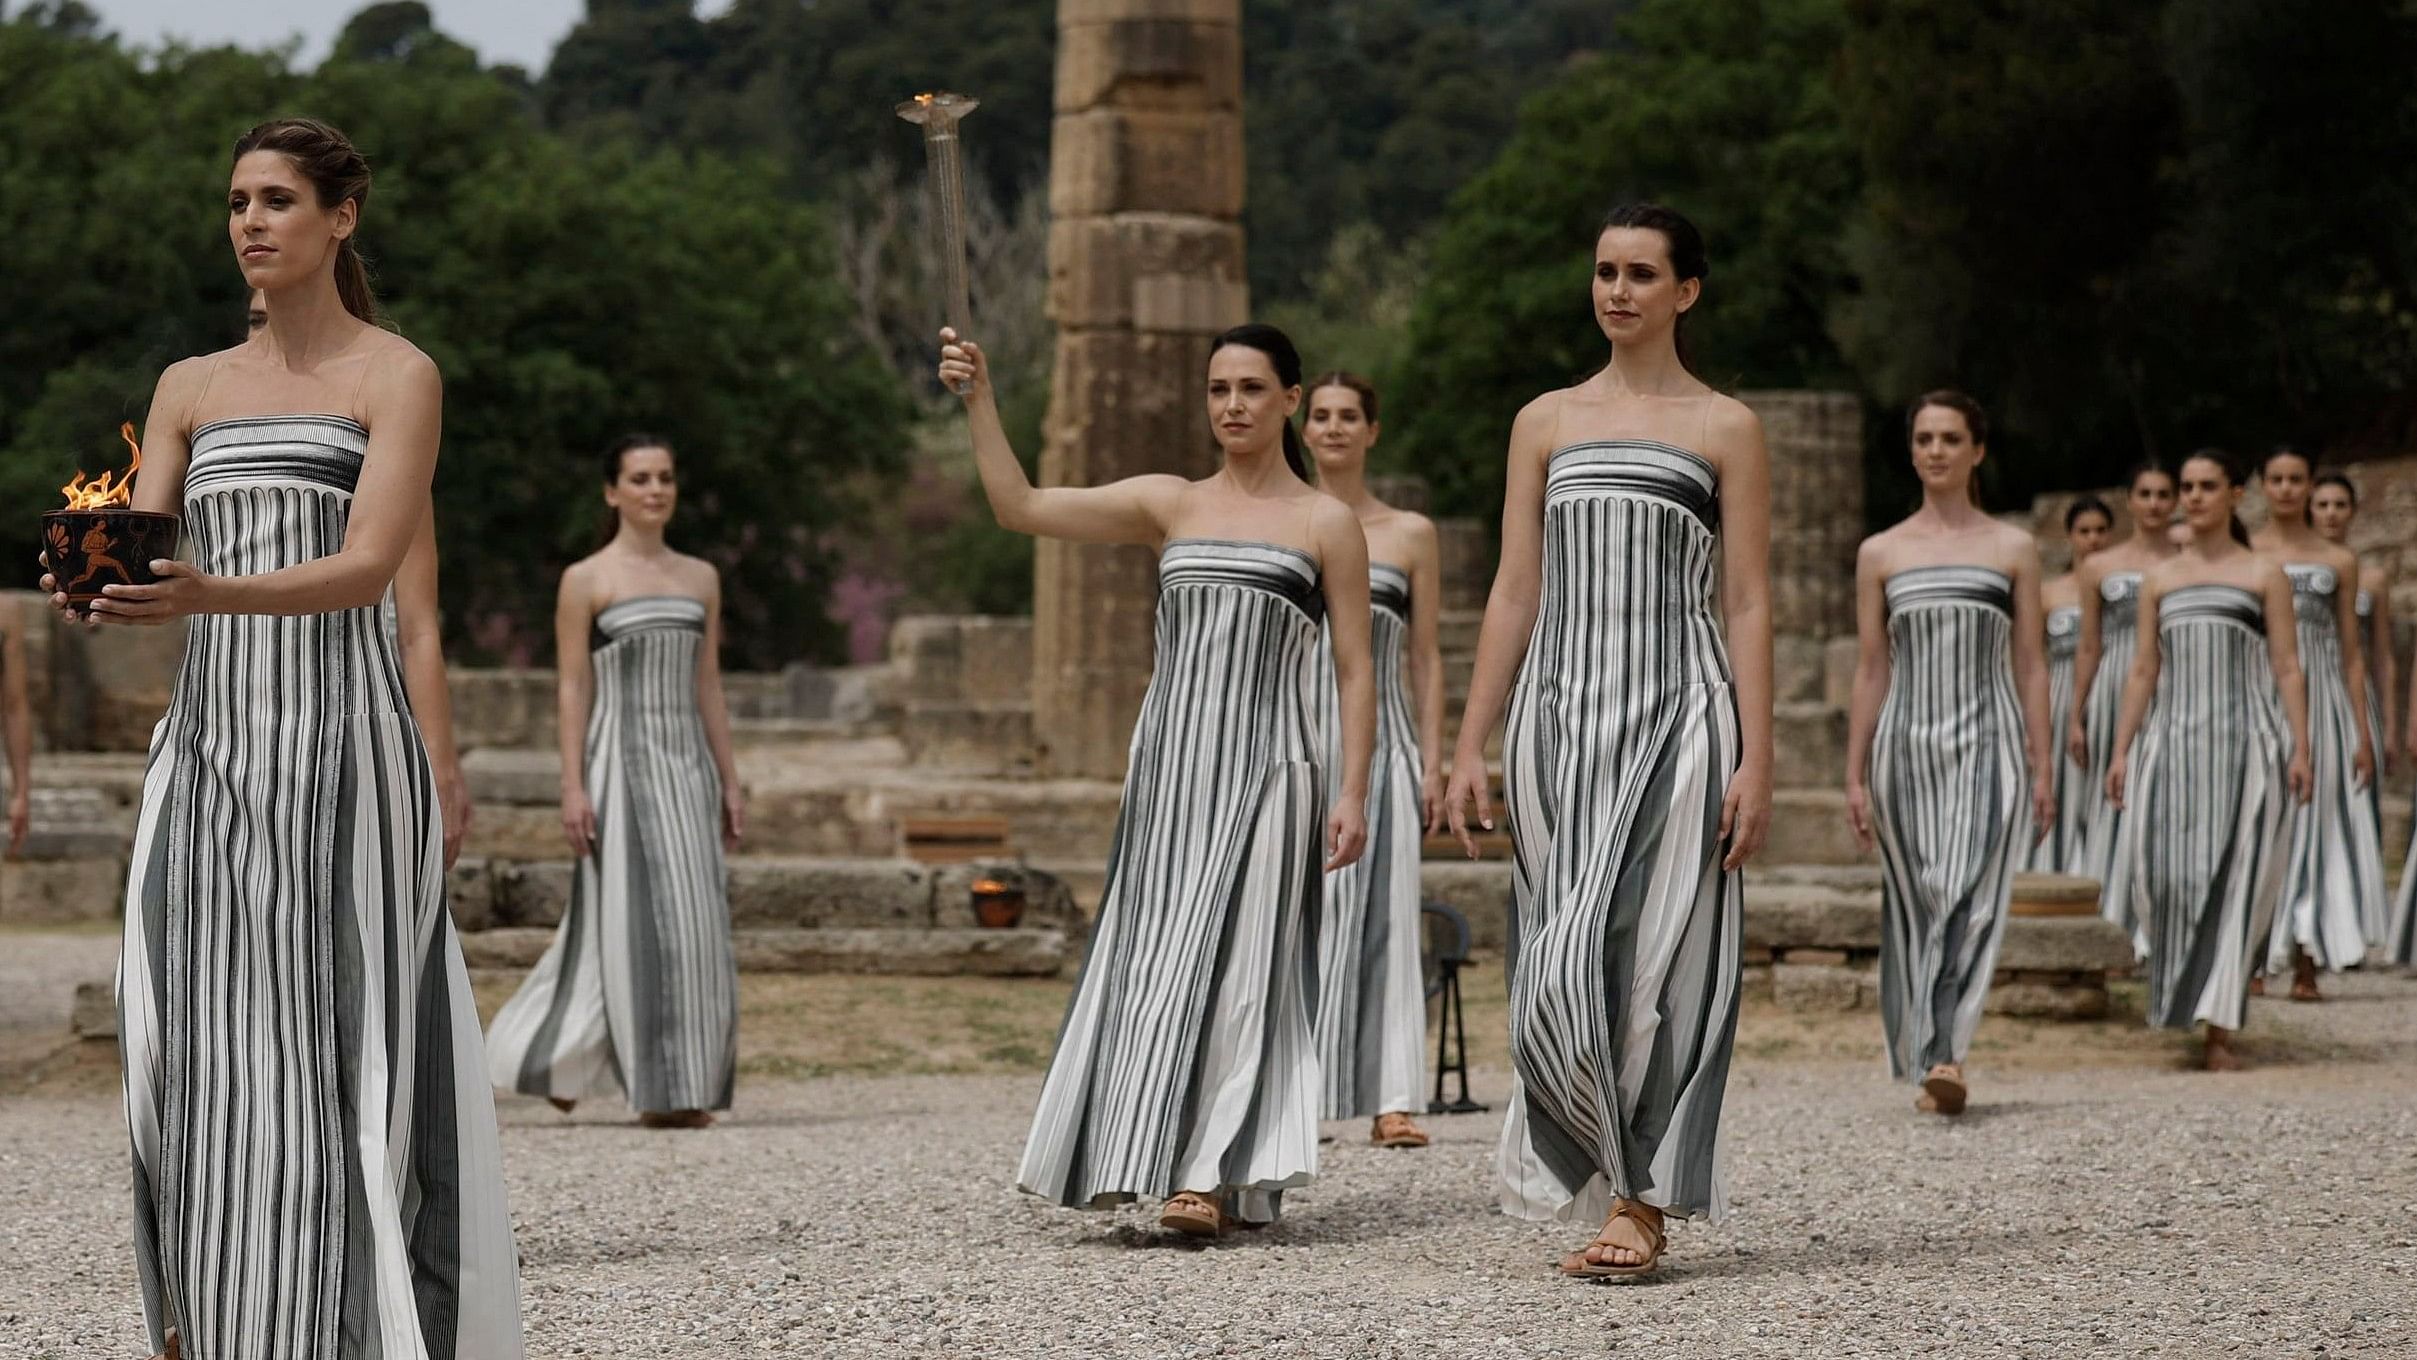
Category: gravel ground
<point>2141,1210</point>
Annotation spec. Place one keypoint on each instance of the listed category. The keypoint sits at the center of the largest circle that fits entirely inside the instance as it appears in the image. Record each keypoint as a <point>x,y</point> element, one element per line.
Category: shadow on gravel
<point>1820,1254</point>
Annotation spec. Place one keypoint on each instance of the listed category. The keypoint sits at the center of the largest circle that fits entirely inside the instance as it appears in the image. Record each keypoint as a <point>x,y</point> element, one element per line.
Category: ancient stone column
<point>1145,266</point>
<point>1816,447</point>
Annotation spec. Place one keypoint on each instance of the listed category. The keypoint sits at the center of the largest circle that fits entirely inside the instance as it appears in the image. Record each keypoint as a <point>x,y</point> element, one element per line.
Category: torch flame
<point>110,491</point>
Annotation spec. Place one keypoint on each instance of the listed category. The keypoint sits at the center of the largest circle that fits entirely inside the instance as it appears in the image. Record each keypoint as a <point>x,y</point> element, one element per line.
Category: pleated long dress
<point>2101,712</point>
<point>1187,1059</point>
<point>1950,806</point>
<point>2379,917</point>
<point>638,993</point>
<point>2206,842</point>
<point>316,1169</point>
<point>1621,742</point>
<point>1372,1001</point>
<point>2333,891</point>
<point>2059,852</point>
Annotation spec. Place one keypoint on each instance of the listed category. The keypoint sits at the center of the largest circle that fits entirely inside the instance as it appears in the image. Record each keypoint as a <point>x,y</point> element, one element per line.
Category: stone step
<point>780,892</point>
<point>897,952</point>
<point>1808,746</point>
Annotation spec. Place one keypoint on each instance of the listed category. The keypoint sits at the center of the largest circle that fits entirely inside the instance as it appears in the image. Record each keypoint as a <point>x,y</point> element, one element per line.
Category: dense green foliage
<point>2130,228</point>
<point>569,289</point>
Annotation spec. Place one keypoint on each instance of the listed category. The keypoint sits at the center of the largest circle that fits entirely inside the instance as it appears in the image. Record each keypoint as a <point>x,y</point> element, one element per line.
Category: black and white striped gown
<point>2206,844</point>
<point>2101,712</point>
<point>2333,891</point>
<point>1622,738</point>
<point>2059,852</point>
<point>316,1169</point>
<point>1950,805</point>
<point>1187,1060</point>
<point>2380,918</point>
<point>638,993</point>
<point>1372,1001</point>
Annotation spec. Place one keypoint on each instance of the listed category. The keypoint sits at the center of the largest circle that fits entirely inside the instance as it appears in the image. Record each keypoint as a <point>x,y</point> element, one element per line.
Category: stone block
<point>60,891</point>
<point>1465,548</point>
<point>95,1012</point>
<point>1808,826</point>
<point>108,686</point>
<point>2063,944</point>
<point>960,658</point>
<point>823,893</point>
<point>502,706</point>
<point>529,893</point>
<point>1785,920</point>
<point>1839,656</point>
<point>515,831</point>
<point>993,737</point>
<point>505,947</point>
<point>1803,987</point>
<point>1168,160</point>
<point>1479,890</point>
<point>1754,983</point>
<point>1811,958</point>
<point>1798,667</point>
<point>2044,1001</point>
<point>1149,62</point>
<point>470,894</point>
<point>1809,746</point>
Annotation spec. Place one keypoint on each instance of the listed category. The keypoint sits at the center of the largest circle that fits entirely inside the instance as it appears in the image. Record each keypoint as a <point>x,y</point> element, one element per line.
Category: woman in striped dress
<point>1187,1067</point>
<point>2108,585</point>
<point>300,1049</point>
<point>2333,891</point>
<point>2332,507</point>
<point>638,993</point>
<point>2211,757</point>
<point>1372,1001</point>
<point>2089,524</point>
<point>1947,745</point>
<point>1637,762</point>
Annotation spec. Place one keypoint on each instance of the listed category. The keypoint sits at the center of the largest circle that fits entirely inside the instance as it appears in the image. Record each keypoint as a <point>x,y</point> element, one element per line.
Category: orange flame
<point>110,491</point>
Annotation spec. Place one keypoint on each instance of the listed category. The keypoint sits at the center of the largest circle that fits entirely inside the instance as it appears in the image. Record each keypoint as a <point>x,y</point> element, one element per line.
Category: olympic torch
<point>938,115</point>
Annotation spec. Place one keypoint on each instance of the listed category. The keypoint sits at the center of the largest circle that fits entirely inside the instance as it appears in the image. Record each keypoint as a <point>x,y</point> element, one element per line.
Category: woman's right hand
<point>2077,746</point>
<point>579,822</point>
<point>2114,783</point>
<point>964,369</point>
<point>1470,786</point>
<point>1858,816</point>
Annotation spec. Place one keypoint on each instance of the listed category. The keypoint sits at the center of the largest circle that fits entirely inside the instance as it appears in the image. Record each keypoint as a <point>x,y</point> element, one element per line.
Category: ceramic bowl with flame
<point>97,541</point>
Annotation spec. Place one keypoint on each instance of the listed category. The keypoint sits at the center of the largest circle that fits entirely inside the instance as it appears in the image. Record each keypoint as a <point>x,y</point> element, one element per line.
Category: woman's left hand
<point>2362,766</point>
<point>2043,808</point>
<point>181,590</point>
<point>1430,800</point>
<point>734,815</point>
<point>20,818</point>
<point>1346,832</point>
<point>2303,783</point>
<point>1745,814</point>
<point>453,809</point>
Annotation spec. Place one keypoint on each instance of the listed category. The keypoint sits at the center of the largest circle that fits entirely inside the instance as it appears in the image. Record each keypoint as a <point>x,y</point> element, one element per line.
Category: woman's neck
<point>307,323</point>
<point>1350,486</point>
<point>1257,472</point>
<point>1948,511</point>
<point>1647,368</point>
<point>641,541</point>
<point>2145,542</point>
<point>2292,533</point>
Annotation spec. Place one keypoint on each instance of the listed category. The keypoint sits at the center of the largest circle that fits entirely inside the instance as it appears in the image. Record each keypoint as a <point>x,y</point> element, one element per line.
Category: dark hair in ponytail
<point>1353,383</point>
<point>327,158</point>
<point>2236,473</point>
<point>2087,505</point>
<point>2347,489</point>
<point>619,452</point>
<point>1286,360</point>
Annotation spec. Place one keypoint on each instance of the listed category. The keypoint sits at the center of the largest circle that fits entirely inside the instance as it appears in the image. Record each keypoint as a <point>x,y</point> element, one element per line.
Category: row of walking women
<point>2188,718</point>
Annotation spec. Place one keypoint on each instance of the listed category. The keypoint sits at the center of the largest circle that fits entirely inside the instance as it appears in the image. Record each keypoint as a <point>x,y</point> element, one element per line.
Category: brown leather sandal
<point>675,1119</point>
<point>1577,1267</point>
<point>1192,1214</point>
<point>1395,1129</point>
<point>1945,1087</point>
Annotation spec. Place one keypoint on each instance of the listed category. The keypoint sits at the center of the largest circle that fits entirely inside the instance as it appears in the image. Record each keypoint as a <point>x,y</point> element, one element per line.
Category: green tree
<point>1721,108</point>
